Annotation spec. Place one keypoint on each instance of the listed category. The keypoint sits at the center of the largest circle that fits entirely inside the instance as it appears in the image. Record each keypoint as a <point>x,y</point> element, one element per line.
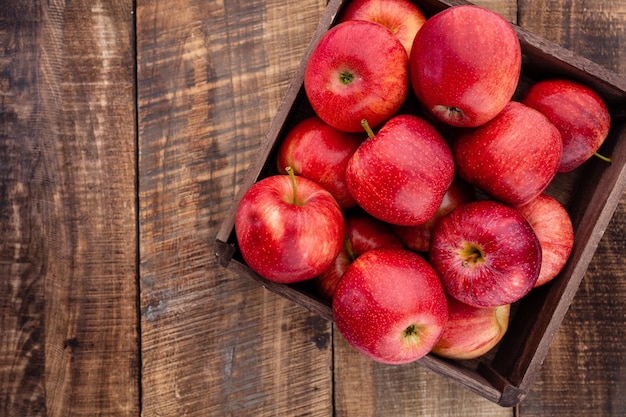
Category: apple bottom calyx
<point>449,114</point>
<point>411,335</point>
<point>390,306</point>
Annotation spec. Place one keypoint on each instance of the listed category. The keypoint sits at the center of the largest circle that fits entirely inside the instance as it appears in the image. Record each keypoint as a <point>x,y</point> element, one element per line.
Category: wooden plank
<point>210,78</point>
<point>583,373</point>
<point>22,265</point>
<point>67,210</point>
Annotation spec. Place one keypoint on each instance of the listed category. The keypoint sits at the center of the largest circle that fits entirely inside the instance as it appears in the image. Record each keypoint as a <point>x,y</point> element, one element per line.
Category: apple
<point>363,232</point>
<point>402,17</point>
<point>401,174</point>
<point>319,152</point>
<point>513,157</point>
<point>579,114</point>
<point>485,253</point>
<point>390,306</point>
<point>358,70</point>
<point>288,228</point>
<point>417,237</point>
<point>553,227</point>
<point>465,65</point>
<point>471,331</point>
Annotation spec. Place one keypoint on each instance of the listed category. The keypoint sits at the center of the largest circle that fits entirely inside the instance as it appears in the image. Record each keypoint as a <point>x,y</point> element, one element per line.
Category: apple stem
<point>367,128</point>
<point>602,157</point>
<point>348,246</point>
<point>294,201</point>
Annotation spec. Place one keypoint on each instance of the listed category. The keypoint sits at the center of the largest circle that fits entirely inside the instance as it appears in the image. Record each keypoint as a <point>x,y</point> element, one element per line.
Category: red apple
<point>390,306</point>
<point>465,65</point>
<point>553,227</point>
<point>288,228</point>
<point>363,233</point>
<point>486,254</point>
<point>417,237</point>
<point>401,174</point>
<point>577,111</point>
<point>319,152</point>
<point>471,331</point>
<point>402,17</point>
<point>358,70</point>
<point>513,157</point>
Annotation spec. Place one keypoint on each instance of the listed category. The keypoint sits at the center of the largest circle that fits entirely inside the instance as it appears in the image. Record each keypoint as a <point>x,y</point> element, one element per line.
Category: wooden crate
<point>591,194</point>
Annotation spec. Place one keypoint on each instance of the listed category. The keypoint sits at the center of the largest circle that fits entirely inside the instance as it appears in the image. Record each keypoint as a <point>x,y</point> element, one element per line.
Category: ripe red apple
<point>390,306</point>
<point>401,174</point>
<point>513,157</point>
<point>363,233</point>
<point>577,111</point>
<point>319,152</point>
<point>471,331</point>
<point>465,65</point>
<point>486,254</point>
<point>288,228</point>
<point>358,70</point>
<point>417,237</point>
<point>402,17</point>
<point>553,227</point>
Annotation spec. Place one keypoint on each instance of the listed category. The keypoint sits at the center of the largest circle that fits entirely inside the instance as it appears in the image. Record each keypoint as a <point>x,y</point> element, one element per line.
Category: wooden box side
<point>506,377</point>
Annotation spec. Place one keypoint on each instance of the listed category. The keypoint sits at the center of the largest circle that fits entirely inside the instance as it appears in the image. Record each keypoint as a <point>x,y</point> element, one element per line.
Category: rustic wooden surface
<point>125,131</point>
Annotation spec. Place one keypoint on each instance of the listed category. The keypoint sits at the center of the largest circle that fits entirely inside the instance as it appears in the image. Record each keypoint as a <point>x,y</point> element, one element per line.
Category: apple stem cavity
<point>472,254</point>
<point>368,129</point>
<point>602,157</point>
<point>294,200</point>
<point>449,112</point>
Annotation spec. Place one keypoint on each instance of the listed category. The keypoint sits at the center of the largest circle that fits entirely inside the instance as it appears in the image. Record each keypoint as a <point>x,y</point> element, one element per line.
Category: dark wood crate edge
<point>532,344</point>
<point>490,382</point>
<point>490,386</point>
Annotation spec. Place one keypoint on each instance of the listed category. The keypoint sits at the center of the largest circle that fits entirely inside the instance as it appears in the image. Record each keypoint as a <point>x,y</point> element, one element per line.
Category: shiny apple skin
<point>286,242</point>
<point>402,17</point>
<point>513,158</point>
<point>319,152</point>
<point>379,71</point>
<point>553,227</point>
<point>363,233</point>
<point>486,254</point>
<point>471,331</point>
<point>578,112</point>
<point>401,175</point>
<point>417,238</point>
<point>465,58</point>
<point>383,293</point>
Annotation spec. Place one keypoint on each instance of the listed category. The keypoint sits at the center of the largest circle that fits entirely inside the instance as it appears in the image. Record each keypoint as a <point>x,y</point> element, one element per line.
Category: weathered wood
<point>22,267</point>
<point>67,210</point>
<point>210,78</point>
<point>584,369</point>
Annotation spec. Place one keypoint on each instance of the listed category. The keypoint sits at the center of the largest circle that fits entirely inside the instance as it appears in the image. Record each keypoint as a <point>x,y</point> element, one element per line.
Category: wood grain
<point>126,130</point>
<point>68,219</point>
<point>584,369</point>
<point>211,76</point>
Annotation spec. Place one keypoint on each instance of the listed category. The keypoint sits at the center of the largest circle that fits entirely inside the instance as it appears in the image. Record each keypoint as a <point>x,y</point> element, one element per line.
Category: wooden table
<point>125,131</point>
